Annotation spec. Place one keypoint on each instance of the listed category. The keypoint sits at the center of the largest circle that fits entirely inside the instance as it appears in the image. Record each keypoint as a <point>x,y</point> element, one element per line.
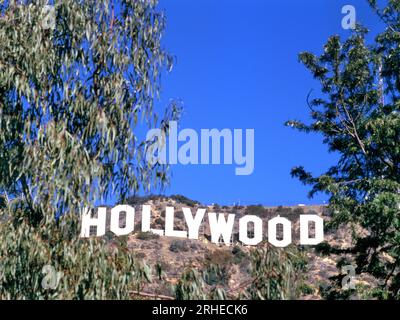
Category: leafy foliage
<point>148,235</point>
<point>179,246</point>
<point>72,97</point>
<point>358,116</point>
<point>73,100</point>
<point>84,268</point>
<point>276,273</point>
<point>190,286</point>
<point>218,265</point>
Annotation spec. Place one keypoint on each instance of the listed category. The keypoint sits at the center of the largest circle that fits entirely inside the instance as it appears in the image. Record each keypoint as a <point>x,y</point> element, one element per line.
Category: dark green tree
<point>357,114</point>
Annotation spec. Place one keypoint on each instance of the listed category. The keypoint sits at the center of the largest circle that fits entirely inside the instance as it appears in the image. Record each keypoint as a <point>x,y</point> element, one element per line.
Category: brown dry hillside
<point>174,255</point>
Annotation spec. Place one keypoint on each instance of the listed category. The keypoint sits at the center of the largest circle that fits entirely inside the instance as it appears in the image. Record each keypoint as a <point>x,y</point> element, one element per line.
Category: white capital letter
<point>220,227</point>
<point>243,234</point>
<point>305,220</point>
<point>169,225</point>
<point>88,221</point>
<point>129,220</point>
<point>287,232</point>
<point>193,223</point>
<point>146,221</point>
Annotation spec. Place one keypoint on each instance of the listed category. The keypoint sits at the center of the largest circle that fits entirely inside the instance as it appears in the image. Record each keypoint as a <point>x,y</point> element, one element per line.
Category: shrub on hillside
<point>215,275</point>
<point>298,211</point>
<point>179,246</point>
<point>219,257</point>
<point>148,235</point>
<point>184,200</point>
<point>238,255</point>
<point>256,210</point>
<point>281,210</point>
<point>216,207</point>
<point>159,221</point>
<point>218,264</point>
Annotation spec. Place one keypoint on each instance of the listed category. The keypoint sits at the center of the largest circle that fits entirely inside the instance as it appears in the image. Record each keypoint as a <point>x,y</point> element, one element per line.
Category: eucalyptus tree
<point>357,114</point>
<point>78,81</point>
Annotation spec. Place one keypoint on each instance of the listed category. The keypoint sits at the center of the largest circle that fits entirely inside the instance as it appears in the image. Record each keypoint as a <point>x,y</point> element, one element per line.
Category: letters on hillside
<point>221,225</point>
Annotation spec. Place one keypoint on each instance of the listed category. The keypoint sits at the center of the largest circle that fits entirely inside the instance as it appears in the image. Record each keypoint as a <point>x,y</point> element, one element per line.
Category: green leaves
<point>276,273</point>
<point>71,99</point>
<point>358,117</point>
<point>85,269</point>
<point>190,286</point>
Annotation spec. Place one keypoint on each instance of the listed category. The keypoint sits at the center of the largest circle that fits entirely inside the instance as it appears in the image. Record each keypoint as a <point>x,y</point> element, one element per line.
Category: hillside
<point>173,255</point>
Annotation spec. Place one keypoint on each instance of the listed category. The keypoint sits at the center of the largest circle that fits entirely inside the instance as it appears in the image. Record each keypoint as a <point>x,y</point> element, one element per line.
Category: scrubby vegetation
<point>179,246</point>
<point>185,200</point>
<point>146,235</point>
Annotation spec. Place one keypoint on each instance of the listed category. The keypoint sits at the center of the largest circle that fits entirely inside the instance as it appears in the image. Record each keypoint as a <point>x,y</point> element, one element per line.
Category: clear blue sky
<point>237,67</point>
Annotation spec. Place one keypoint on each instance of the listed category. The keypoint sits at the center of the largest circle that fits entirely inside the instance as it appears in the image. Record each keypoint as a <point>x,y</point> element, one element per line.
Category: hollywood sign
<point>221,226</point>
